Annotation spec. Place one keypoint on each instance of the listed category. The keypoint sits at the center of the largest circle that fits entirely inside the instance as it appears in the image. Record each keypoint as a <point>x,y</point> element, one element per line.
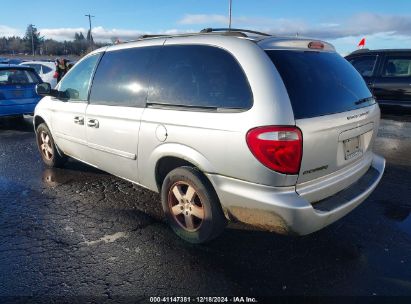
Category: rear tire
<point>48,150</point>
<point>191,206</point>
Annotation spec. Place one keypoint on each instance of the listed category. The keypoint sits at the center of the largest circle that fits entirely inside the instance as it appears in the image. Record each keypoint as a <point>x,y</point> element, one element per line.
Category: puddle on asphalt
<point>73,171</point>
<point>54,177</point>
<point>400,214</point>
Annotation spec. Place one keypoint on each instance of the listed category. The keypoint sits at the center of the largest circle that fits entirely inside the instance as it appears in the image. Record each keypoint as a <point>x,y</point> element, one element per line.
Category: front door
<point>68,119</point>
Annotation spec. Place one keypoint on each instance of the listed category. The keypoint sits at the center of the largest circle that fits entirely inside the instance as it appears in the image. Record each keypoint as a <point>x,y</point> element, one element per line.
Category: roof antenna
<point>229,14</point>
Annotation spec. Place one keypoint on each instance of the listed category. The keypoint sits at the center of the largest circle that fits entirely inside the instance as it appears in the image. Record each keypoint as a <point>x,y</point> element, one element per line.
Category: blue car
<point>17,90</point>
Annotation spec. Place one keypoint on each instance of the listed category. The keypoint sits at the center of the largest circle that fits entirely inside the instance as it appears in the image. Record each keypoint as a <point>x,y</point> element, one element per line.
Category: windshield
<point>320,83</point>
<point>17,76</point>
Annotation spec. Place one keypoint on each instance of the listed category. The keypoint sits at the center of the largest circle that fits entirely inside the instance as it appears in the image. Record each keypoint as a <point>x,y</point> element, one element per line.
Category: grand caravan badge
<point>358,115</point>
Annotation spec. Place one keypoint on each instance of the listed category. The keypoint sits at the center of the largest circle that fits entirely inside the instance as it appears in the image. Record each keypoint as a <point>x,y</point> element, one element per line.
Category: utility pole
<point>229,14</point>
<point>89,21</point>
<point>32,39</point>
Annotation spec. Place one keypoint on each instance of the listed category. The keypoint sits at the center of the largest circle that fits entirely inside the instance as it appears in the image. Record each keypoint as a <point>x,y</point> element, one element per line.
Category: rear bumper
<point>283,210</point>
<point>17,109</point>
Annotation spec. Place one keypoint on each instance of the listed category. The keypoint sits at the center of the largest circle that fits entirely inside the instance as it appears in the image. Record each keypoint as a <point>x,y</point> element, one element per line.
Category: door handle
<point>93,123</point>
<point>79,120</point>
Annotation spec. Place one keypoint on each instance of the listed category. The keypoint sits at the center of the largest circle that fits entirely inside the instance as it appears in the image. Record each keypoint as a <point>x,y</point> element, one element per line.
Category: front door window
<point>75,85</point>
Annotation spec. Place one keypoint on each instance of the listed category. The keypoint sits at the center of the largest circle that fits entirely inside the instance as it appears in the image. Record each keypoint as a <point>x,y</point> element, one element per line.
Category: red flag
<point>362,43</point>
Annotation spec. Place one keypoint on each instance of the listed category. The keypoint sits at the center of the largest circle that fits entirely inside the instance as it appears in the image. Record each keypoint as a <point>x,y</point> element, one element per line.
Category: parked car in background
<point>272,132</point>
<point>45,69</point>
<point>17,90</point>
<point>387,74</point>
<point>10,61</point>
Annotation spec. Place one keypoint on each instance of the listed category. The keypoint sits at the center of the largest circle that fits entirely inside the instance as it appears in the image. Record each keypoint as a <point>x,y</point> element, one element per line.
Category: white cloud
<point>102,34</point>
<point>204,19</point>
<point>379,29</point>
<point>359,24</point>
<point>7,31</point>
<point>99,33</point>
<point>61,33</point>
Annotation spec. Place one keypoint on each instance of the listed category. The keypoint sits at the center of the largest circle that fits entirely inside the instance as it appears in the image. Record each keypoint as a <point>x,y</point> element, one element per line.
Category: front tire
<point>191,206</point>
<point>48,150</point>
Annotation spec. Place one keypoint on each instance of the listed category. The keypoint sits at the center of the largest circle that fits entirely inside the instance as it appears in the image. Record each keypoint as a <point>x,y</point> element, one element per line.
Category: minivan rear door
<point>333,108</point>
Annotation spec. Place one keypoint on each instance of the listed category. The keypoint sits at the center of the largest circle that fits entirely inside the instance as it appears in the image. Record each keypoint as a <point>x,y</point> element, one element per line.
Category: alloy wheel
<point>186,206</point>
<point>45,145</point>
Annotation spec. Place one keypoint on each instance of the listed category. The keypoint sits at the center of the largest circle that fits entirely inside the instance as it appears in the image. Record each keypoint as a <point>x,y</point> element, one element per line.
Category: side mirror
<point>43,89</point>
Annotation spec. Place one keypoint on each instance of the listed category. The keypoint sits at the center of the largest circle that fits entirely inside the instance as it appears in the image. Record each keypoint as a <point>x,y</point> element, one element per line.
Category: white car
<point>45,69</point>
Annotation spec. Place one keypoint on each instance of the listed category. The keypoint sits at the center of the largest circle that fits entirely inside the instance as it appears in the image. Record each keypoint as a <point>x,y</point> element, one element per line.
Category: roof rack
<point>228,30</point>
<point>152,36</point>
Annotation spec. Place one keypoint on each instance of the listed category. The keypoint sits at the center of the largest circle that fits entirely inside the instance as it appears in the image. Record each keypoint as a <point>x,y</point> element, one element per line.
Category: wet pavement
<point>79,231</point>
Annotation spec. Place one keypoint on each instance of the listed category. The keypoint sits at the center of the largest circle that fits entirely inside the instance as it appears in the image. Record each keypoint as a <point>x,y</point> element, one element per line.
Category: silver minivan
<point>268,132</point>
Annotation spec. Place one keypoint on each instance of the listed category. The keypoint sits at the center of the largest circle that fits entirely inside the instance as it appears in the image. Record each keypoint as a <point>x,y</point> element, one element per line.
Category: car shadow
<point>22,124</point>
<point>396,113</point>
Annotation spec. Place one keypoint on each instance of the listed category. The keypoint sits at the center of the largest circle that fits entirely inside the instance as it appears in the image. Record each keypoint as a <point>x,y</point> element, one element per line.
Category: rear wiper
<point>364,100</point>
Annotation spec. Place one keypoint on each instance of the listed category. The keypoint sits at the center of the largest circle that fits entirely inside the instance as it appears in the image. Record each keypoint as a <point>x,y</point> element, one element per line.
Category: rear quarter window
<point>320,83</point>
<point>46,69</point>
<point>397,66</point>
<point>199,76</point>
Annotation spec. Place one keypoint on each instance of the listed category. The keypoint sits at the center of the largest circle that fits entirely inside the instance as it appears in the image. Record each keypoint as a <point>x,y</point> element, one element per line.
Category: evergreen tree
<point>32,38</point>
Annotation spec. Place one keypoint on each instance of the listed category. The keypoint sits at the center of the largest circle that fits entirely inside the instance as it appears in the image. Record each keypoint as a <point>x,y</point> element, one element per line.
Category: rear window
<point>18,76</point>
<point>320,83</point>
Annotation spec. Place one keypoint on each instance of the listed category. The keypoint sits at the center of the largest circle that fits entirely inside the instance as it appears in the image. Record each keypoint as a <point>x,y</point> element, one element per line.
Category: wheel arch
<point>38,119</point>
<point>168,157</point>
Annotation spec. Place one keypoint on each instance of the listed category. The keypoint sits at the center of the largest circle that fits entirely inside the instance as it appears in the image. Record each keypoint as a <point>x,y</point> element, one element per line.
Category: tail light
<point>278,148</point>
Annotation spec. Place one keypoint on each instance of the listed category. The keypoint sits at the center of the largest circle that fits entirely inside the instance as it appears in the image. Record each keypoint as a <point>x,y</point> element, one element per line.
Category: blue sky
<point>384,23</point>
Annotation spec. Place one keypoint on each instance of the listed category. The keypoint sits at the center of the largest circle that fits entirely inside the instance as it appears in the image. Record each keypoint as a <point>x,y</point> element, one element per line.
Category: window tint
<point>76,83</point>
<point>36,67</point>
<point>364,64</point>
<point>121,78</point>
<point>397,66</point>
<point>199,76</point>
<point>320,83</point>
<point>46,69</point>
<point>18,76</point>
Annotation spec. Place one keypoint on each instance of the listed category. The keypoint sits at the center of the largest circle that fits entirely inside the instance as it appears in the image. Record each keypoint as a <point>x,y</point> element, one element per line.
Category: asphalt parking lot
<point>79,231</point>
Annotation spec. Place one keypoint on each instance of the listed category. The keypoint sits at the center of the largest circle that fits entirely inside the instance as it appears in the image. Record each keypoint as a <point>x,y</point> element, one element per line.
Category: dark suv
<point>387,74</point>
